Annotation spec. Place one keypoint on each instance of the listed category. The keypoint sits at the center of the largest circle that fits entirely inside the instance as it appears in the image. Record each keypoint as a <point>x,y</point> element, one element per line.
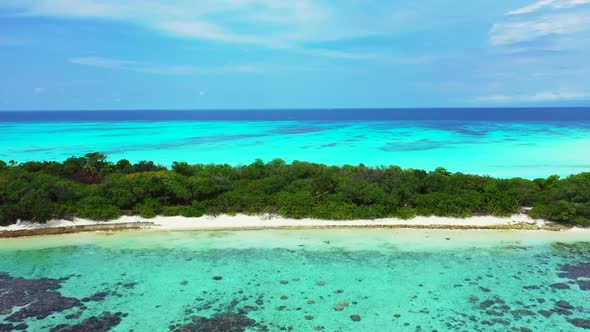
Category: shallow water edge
<point>297,280</point>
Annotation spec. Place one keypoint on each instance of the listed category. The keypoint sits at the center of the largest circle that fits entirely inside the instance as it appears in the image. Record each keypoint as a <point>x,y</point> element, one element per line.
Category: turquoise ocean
<point>527,143</point>
<point>297,280</point>
<point>303,280</point>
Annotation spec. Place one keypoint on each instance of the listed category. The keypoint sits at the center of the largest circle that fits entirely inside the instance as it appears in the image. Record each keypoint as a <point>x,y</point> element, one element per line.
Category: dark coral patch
<point>218,323</point>
<point>560,285</point>
<point>102,323</point>
<point>564,304</point>
<point>584,284</point>
<point>575,271</point>
<point>37,298</point>
<point>576,249</point>
<point>96,297</point>
<point>6,327</point>
<point>580,322</point>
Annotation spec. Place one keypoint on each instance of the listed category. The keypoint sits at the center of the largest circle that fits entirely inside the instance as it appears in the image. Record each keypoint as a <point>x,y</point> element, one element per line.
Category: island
<point>93,188</point>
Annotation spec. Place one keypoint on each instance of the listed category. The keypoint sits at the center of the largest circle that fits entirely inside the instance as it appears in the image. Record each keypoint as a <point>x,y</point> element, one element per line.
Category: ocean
<point>523,142</point>
<point>297,280</point>
<point>303,280</point>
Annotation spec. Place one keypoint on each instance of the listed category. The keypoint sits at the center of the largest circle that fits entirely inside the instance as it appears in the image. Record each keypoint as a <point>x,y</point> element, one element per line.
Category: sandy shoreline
<point>245,222</point>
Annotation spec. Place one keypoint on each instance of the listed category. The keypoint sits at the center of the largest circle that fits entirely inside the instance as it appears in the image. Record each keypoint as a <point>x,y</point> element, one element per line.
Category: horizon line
<point>294,109</point>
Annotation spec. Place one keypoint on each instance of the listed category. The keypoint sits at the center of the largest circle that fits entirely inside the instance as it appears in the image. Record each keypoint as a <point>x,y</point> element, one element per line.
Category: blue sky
<point>138,54</point>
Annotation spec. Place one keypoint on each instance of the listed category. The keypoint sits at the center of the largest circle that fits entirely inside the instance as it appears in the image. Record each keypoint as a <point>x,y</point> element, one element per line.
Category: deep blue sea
<point>329,115</point>
<point>507,142</point>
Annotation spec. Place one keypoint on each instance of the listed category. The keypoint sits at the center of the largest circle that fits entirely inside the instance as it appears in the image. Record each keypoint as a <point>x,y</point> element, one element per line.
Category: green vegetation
<point>92,187</point>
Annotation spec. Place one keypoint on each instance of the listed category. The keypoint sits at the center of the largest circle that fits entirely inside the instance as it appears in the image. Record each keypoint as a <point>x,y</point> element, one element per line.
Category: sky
<point>246,54</point>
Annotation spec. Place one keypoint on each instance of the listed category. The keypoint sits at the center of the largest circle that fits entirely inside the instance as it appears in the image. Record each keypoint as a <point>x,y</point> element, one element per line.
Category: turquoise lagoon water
<point>503,149</point>
<point>307,280</point>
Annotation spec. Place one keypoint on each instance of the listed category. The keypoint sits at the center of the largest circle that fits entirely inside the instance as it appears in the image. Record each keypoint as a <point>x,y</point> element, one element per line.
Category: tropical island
<point>92,187</point>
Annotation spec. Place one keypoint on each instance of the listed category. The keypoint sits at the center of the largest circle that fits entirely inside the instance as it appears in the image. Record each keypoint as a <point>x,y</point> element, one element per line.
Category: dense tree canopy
<point>92,187</point>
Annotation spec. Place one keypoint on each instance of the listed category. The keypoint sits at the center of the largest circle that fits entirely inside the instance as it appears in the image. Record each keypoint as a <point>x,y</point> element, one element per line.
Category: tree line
<point>93,187</point>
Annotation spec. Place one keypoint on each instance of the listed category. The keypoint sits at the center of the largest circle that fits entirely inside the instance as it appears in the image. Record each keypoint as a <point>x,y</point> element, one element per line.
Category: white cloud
<point>193,70</point>
<point>555,18</point>
<point>299,26</point>
<point>542,4</point>
<point>531,8</point>
<point>206,30</point>
<point>147,67</point>
<point>341,54</point>
<point>537,97</point>
<point>416,60</point>
<point>556,24</point>
<point>66,8</point>
<point>103,62</point>
<point>167,69</point>
<point>270,23</point>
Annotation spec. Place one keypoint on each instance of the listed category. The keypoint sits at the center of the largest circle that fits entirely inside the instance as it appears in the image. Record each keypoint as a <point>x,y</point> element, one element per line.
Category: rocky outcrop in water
<point>27,298</point>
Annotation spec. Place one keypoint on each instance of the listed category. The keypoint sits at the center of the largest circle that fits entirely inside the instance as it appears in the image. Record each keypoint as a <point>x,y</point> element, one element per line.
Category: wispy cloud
<point>526,30</point>
<point>536,97</point>
<point>544,18</point>
<point>103,62</point>
<point>542,4</point>
<point>286,25</point>
<point>342,54</point>
<point>193,70</point>
<point>531,8</point>
<point>207,30</point>
<point>66,8</point>
<point>168,69</point>
<point>146,67</point>
<point>297,27</point>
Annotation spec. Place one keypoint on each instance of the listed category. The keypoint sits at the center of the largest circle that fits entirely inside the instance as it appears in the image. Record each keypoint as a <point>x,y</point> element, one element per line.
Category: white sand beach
<point>244,222</point>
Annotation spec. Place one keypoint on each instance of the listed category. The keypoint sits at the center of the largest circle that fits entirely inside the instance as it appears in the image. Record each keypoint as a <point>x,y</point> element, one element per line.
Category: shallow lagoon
<point>504,149</point>
<point>306,280</point>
